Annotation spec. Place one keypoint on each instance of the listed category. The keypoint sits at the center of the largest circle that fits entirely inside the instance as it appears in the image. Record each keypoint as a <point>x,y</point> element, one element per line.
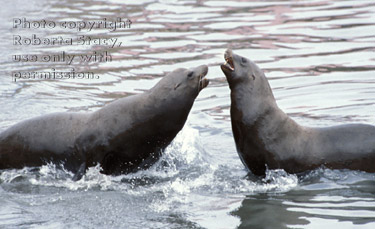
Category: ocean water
<point>318,56</point>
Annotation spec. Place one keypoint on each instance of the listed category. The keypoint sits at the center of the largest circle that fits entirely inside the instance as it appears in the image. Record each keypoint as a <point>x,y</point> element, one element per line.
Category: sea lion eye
<point>243,60</point>
<point>190,74</point>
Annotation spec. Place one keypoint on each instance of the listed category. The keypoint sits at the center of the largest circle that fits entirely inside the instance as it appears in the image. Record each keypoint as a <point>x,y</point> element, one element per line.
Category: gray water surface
<point>318,56</point>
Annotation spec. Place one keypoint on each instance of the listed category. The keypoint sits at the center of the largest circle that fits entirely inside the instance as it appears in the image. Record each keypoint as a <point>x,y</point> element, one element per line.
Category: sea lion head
<point>177,91</point>
<point>241,71</point>
<point>190,80</point>
<point>183,82</point>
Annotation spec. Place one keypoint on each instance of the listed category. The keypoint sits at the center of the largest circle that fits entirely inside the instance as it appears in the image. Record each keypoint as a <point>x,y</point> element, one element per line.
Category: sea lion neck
<point>166,98</point>
<point>162,103</point>
<point>234,82</point>
<point>248,102</point>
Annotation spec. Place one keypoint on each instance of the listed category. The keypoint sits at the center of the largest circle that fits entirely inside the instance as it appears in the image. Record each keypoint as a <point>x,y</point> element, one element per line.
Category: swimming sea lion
<point>266,137</point>
<point>123,136</point>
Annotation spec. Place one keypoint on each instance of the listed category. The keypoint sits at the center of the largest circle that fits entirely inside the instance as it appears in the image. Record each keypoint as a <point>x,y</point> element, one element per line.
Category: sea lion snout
<point>228,56</point>
<point>233,68</point>
<point>228,66</point>
<point>201,72</point>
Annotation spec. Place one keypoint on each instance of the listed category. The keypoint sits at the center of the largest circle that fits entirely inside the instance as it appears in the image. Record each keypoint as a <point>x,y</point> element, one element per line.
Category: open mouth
<point>203,81</point>
<point>228,66</point>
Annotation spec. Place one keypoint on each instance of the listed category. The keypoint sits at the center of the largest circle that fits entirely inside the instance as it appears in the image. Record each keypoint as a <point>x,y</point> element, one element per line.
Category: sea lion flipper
<point>81,171</point>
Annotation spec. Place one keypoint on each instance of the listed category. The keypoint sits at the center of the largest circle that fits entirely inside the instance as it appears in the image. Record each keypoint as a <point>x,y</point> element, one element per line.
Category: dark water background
<point>319,58</point>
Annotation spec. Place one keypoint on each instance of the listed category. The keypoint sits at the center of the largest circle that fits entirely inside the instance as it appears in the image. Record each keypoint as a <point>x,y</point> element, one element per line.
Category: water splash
<point>183,167</point>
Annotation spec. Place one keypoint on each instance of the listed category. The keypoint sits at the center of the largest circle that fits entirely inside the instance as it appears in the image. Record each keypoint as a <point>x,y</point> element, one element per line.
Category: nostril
<point>190,74</point>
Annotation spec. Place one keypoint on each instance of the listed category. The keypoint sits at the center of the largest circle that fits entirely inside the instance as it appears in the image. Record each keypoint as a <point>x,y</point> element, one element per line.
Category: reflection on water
<point>318,56</point>
<point>322,202</point>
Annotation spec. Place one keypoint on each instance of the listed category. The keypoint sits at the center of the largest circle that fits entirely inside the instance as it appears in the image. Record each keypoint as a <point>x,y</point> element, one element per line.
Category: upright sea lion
<point>266,137</point>
<point>123,136</point>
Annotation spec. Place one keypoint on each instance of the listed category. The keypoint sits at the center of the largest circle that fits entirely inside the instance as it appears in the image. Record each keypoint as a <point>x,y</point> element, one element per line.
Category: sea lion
<point>266,137</point>
<point>123,136</point>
